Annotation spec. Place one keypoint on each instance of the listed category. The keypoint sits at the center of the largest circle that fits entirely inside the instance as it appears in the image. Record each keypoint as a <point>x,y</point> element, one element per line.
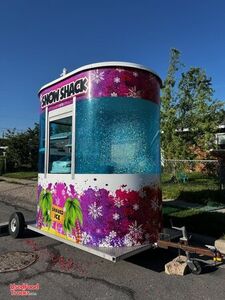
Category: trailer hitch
<point>194,263</point>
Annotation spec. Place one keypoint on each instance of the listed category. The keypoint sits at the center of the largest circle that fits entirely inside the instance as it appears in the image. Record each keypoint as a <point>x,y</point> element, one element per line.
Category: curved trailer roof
<point>101,65</point>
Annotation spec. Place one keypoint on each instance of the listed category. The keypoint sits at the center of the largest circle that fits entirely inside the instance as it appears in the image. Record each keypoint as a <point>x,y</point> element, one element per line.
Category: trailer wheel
<point>195,267</point>
<point>16,225</point>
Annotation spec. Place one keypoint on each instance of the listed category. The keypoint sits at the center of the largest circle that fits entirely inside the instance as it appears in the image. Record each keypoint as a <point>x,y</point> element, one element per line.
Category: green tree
<point>22,152</point>
<point>170,141</point>
<point>197,112</point>
<point>189,113</point>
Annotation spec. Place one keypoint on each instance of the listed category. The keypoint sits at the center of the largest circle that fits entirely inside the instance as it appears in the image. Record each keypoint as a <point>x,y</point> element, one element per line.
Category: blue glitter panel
<point>117,136</point>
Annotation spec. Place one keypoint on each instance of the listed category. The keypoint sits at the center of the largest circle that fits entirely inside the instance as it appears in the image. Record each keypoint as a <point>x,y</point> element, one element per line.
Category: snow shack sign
<point>74,88</point>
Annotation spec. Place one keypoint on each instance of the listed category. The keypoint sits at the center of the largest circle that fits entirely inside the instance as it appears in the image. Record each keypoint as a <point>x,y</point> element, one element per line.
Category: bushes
<point>2,165</point>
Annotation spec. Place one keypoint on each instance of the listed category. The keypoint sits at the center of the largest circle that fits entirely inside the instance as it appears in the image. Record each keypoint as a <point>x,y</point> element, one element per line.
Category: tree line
<point>22,151</point>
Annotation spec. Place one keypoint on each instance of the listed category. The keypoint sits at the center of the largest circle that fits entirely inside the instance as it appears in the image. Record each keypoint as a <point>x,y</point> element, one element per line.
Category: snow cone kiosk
<point>99,159</point>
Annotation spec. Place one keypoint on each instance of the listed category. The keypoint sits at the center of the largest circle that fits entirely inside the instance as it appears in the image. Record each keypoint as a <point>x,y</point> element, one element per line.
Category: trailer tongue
<point>194,254</point>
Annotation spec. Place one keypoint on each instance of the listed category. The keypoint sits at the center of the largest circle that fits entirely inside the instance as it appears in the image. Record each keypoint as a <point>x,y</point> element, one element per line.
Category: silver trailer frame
<point>111,254</point>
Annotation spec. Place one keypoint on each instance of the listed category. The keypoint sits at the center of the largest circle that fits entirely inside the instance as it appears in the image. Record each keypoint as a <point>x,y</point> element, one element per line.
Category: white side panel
<point>110,181</point>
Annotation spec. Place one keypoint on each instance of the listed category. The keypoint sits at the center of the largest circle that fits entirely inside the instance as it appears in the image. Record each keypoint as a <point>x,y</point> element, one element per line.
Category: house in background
<point>220,136</point>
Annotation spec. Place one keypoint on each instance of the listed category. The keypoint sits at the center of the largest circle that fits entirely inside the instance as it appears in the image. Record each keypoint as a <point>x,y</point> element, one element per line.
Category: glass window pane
<point>60,136</point>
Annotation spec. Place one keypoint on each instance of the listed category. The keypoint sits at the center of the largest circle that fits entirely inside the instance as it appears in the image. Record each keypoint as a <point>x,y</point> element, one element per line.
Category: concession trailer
<point>99,159</point>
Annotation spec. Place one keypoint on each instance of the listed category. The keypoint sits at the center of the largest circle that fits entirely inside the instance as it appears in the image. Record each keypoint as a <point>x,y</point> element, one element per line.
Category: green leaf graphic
<point>45,204</point>
<point>72,214</point>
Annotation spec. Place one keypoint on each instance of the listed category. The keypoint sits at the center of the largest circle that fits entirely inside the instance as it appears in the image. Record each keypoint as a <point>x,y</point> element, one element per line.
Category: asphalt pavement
<point>64,272</point>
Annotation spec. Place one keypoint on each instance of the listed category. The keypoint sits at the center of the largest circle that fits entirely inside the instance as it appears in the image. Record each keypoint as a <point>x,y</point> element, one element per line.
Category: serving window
<point>60,146</point>
<point>57,141</point>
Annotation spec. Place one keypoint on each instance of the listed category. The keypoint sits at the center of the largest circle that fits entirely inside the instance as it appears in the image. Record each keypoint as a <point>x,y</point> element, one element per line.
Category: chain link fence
<point>178,169</point>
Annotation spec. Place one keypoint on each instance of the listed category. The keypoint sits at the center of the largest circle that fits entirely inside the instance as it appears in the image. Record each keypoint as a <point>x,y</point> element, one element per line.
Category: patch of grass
<point>195,220</point>
<point>22,175</point>
<point>168,210</point>
<point>200,188</point>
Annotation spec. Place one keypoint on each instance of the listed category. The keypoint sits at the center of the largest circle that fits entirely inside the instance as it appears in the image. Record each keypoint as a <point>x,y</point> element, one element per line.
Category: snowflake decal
<point>117,79</point>
<point>116,216</point>
<point>112,234</point>
<point>85,238</point>
<point>128,241</point>
<point>154,204</point>
<point>118,202</point>
<point>97,76</point>
<point>135,74</point>
<point>134,93</point>
<point>105,243</point>
<point>147,236</point>
<point>94,210</point>
<point>135,206</point>
<point>114,94</point>
<point>120,70</point>
<point>135,230</point>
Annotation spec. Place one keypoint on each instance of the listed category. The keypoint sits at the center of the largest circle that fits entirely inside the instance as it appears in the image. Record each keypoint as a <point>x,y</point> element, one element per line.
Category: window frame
<point>53,115</point>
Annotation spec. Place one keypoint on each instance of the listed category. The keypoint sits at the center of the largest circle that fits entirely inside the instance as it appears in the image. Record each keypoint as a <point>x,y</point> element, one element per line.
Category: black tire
<point>16,225</point>
<point>196,267</point>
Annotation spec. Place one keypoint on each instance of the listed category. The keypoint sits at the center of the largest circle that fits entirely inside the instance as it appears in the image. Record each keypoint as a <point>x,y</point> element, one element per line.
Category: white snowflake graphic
<point>114,94</point>
<point>97,76</point>
<point>98,194</point>
<point>116,216</point>
<point>134,93</point>
<point>135,74</point>
<point>105,244</point>
<point>147,236</point>
<point>135,206</point>
<point>85,238</point>
<point>118,202</point>
<point>154,204</point>
<point>94,210</point>
<point>128,240</point>
<point>107,241</point>
<point>120,70</point>
<point>117,79</point>
<point>112,234</point>
<point>135,230</point>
